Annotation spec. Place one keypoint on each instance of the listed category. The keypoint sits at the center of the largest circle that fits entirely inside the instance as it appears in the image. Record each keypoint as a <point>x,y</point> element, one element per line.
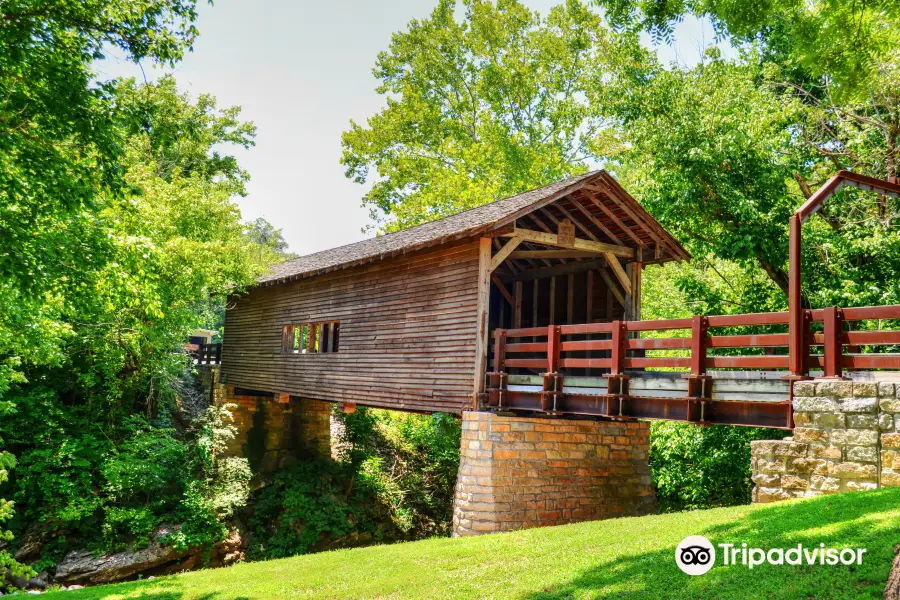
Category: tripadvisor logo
<point>696,555</point>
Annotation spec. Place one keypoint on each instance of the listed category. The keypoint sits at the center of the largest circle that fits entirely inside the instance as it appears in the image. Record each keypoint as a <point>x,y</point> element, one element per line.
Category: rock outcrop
<point>158,558</point>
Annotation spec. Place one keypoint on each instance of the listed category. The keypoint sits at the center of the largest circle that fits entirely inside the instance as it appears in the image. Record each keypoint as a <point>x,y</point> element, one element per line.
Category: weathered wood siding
<point>407,335</point>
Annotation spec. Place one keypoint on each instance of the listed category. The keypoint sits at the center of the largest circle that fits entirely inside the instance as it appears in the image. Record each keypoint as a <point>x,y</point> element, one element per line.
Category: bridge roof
<point>594,201</point>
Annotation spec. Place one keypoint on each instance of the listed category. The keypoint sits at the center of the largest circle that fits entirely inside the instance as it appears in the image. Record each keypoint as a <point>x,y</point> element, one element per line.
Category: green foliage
<point>307,503</point>
<point>393,480</point>
<point>410,462</point>
<point>107,451</point>
<point>703,467</point>
<point>483,107</point>
<point>843,41</point>
<point>702,149</point>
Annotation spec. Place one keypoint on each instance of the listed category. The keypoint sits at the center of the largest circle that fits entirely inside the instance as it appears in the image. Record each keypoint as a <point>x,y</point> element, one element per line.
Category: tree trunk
<point>776,274</point>
<point>892,589</point>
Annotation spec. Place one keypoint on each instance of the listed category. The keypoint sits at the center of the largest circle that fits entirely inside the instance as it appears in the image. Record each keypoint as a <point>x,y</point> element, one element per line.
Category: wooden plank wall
<point>407,334</point>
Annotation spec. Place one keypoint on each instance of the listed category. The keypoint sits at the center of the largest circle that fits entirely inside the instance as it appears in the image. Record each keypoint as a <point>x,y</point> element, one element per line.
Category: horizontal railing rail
<point>548,348</point>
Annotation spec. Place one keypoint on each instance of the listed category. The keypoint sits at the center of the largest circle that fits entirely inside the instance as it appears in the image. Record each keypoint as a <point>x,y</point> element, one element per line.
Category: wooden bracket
<point>504,252</point>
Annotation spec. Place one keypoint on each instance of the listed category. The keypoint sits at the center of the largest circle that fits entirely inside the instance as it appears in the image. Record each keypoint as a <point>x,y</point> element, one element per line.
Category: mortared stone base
<point>519,472</point>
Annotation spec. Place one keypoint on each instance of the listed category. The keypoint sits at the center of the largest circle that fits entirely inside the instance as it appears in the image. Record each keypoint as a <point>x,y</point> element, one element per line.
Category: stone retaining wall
<point>845,439</point>
<point>520,472</point>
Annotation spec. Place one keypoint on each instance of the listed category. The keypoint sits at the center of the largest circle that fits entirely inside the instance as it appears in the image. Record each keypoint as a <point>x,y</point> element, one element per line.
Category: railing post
<point>833,347</point>
<point>552,348</point>
<point>699,383</point>
<point>617,382</point>
<point>699,327</point>
<point>499,349</point>
<point>219,353</point>
<point>617,357</point>
<point>552,380</point>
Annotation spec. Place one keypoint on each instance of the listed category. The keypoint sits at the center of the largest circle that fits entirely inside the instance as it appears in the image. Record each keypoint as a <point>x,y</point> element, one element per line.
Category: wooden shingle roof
<point>618,212</point>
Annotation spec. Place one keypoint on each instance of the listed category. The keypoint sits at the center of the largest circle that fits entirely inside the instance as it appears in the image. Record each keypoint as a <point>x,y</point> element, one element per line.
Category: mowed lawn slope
<point>620,558</point>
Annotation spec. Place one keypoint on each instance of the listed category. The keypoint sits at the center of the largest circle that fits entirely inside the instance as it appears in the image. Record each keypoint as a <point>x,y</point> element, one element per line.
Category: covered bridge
<point>401,321</point>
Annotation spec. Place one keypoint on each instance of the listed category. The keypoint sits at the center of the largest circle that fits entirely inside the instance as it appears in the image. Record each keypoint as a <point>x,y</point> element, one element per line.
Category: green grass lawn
<point>620,558</point>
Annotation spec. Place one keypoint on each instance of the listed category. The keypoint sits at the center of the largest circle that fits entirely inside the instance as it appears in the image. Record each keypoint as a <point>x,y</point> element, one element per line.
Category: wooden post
<point>796,330</point>
<point>589,309</point>
<point>629,297</point>
<point>636,276</point>
<point>552,348</point>
<point>609,303</point>
<point>517,306</point>
<point>499,349</point>
<point>833,347</point>
<point>311,338</point>
<point>698,345</point>
<point>552,300</point>
<point>617,366</point>
<point>483,305</point>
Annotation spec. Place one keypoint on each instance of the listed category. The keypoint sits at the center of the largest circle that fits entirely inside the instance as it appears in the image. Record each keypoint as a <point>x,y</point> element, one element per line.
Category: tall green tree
<point>484,106</point>
<point>60,156</point>
<point>106,450</point>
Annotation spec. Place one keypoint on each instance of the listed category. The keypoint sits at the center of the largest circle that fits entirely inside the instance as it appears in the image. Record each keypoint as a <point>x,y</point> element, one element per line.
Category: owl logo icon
<point>695,555</point>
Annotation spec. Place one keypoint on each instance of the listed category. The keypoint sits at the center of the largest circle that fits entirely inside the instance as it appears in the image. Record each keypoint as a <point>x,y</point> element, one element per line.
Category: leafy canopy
<point>482,107</point>
<point>845,41</point>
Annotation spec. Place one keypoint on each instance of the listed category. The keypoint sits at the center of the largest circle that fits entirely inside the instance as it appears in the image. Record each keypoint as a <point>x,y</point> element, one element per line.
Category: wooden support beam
<point>534,303</point>
<point>611,285</point>
<point>609,213</point>
<point>637,270</point>
<point>483,304</point>
<point>577,223</point>
<point>570,300</point>
<point>503,290</point>
<point>589,306</point>
<point>540,224</point>
<point>504,252</point>
<point>517,306</point>
<point>620,273</point>
<point>549,239</point>
<point>523,254</point>
<point>596,222</point>
<point>574,267</point>
<point>553,300</point>
<point>612,194</point>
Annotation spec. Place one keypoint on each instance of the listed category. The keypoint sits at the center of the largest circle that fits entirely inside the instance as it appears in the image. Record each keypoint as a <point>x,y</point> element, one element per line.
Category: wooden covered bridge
<point>402,321</point>
<point>530,307</point>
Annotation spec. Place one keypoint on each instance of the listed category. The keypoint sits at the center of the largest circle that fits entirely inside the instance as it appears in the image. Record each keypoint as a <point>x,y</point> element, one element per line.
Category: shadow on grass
<point>164,588</point>
<point>846,520</point>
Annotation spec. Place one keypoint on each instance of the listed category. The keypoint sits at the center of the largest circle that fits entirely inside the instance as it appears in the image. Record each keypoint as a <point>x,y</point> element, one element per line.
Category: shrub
<point>703,467</point>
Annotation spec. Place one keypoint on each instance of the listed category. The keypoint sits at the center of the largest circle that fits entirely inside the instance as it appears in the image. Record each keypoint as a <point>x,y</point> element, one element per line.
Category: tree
<point>59,147</point>
<point>268,237</point>
<point>60,152</point>
<point>104,449</point>
<point>484,107</point>
<point>842,44</point>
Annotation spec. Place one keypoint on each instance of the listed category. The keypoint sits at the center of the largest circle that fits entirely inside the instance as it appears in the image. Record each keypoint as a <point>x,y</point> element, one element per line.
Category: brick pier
<point>518,472</point>
<point>272,430</point>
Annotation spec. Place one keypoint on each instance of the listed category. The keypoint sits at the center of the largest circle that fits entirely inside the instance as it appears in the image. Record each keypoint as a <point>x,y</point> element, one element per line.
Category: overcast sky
<point>300,70</point>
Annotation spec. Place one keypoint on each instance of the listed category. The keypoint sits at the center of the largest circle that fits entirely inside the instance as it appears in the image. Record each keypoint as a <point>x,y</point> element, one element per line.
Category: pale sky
<point>301,70</point>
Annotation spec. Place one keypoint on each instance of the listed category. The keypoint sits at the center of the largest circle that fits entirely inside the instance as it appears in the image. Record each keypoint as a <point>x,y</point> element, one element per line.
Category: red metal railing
<point>509,350</point>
